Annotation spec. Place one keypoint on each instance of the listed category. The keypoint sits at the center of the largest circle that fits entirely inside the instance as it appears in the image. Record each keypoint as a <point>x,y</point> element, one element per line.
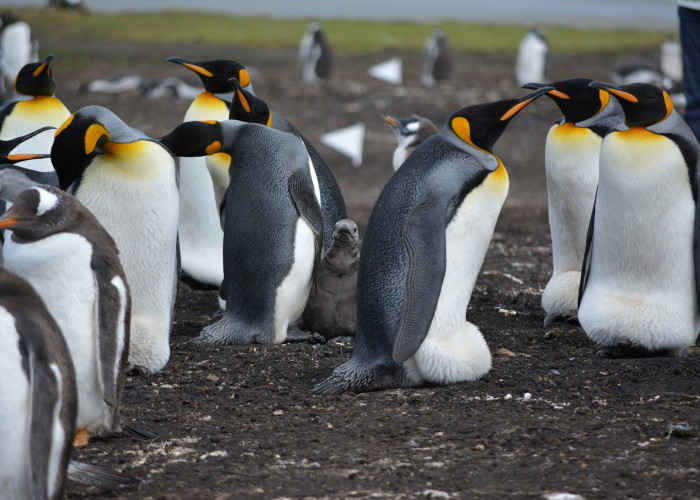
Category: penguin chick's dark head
<point>36,79</point>
<point>90,131</point>
<point>575,98</point>
<point>39,212</point>
<point>345,233</point>
<point>481,125</point>
<point>216,73</point>
<point>246,107</point>
<point>644,104</point>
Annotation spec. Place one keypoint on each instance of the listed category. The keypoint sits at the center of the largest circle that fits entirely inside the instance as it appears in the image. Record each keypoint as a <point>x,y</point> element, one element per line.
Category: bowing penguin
<point>424,245</point>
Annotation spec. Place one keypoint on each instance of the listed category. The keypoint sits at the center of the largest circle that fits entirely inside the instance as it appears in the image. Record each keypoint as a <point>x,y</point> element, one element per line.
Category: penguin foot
<point>631,350</point>
<point>138,371</point>
<point>299,336</point>
<point>569,318</point>
<point>82,437</point>
<point>342,339</point>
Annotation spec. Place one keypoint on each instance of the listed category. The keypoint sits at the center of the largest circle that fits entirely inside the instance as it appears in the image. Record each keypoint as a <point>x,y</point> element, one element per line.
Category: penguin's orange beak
<point>8,219</point>
<point>25,156</point>
<point>614,90</point>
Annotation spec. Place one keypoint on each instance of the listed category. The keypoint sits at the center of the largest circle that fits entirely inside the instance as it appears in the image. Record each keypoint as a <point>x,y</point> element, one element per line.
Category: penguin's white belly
<point>531,61</point>
<point>141,213</point>
<point>454,349</point>
<point>14,407</point>
<point>571,163</point>
<point>58,267</point>
<point>641,286</point>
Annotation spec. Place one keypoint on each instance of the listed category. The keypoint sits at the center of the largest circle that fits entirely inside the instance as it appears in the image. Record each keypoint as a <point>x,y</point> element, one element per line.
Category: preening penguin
<point>272,227</point>
<point>201,237</point>
<point>409,132</point>
<point>639,284</point>
<point>315,56</point>
<point>128,181</point>
<point>38,400</point>
<point>424,245</point>
<point>438,59</point>
<point>571,157</point>
<point>533,62</point>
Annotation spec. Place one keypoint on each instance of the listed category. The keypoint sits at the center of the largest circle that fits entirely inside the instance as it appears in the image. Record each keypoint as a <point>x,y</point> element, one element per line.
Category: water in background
<point>632,14</point>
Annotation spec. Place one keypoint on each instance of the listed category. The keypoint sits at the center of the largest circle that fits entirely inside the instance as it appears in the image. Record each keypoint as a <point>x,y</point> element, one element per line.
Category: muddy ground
<point>238,421</point>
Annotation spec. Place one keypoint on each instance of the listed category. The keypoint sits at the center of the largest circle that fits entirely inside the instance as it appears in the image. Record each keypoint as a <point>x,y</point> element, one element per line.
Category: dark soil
<point>238,421</point>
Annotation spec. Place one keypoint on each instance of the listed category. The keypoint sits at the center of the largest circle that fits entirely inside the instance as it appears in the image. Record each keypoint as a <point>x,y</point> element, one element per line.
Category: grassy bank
<point>347,37</point>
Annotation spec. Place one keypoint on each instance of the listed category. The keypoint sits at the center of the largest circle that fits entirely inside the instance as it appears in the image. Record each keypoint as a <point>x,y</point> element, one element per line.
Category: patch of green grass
<point>346,37</point>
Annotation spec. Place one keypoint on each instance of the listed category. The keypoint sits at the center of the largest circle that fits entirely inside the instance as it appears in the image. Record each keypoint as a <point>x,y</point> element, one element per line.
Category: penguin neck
<point>207,106</point>
<point>484,157</point>
<point>610,111</point>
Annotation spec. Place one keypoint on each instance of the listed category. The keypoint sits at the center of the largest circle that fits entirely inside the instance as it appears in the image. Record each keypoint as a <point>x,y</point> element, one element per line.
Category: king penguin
<point>251,109</point>
<point>639,284</point>
<point>272,226</point>
<point>533,62</point>
<point>409,132</point>
<point>424,245</point>
<point>38,399</point>
<point>314,56</point>
<point>34,107</point>
<point>201,237</point>
<point>18,46</point>
<point>128,181</point>
<point>572,149</point>
<point>72,262</point>
<point>438,59</point>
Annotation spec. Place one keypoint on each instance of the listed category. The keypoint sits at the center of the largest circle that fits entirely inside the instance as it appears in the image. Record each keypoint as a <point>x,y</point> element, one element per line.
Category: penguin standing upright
<point>38,399</point>
<point>34,107</point>
<point>272,226</point>
<point>571,156</point>
<point>253,109</point>
<point>410,132</point>
<point>315,56</point>
<point>639,284</point>
<point>533,62</point>
<point>201,237</point>
<point>72,262</point>
<point>424,245</point>
<point>128,181</point>
<point>18,46</point>
<point>438,59</point>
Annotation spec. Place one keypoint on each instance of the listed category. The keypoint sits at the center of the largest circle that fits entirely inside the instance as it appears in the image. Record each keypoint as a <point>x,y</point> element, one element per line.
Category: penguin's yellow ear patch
<point>95,135</point>
<point>212,148</point>
<point>669,104</point>
<point>460,126</point>
<point>64,125</point>
<point>604,97</point>
<point>269,120</point>
<point>243,78</point>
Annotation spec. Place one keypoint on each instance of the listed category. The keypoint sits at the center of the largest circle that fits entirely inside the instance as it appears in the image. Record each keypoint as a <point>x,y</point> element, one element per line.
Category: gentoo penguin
<point>409,132</point>
<point>72,262</point>
<point>18,46</point>
<point>331,307</point>
<point>438,59</point>
<point>532,63</point>
<point>332,202</point>
<point>128,181</point>
<point>272,226</point>
<point>38,400</point>
<point>639,284</point>
<point>34,107</point>
<point>201,237</point>
<point>571,156</point>
<point>315,56</point>
<point>424,244</point>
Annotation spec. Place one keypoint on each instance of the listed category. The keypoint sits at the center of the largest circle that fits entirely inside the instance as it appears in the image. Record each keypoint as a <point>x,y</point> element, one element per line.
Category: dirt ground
<point>550,417</point>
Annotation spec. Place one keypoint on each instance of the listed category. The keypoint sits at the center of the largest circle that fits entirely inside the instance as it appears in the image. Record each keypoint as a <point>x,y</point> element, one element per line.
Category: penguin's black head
<point>36,79</point>
<point>194,139</point>
<point>7,146</point>
<point>481,125</point>
<point>575,98</point>
<point>248,108</point>
<point>216,73</point>
<point>644,104</point>
<point>39,212</point>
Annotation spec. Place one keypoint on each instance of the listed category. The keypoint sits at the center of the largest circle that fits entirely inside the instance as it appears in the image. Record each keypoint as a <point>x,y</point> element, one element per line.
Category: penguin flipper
<point>424,248</point>
<point>94,475</point>
<point>310,210</point>
<point>586,264</point>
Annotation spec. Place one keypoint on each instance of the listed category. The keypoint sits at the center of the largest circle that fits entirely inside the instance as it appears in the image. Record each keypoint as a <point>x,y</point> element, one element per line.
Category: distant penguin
<point>533,62</point>
<point>671,60</point>
<point>34,107</point>
<point>438,59</point>
<point>424,245</point>
<point>571,156</point>
<point>128,181</point>
<point>331,307</point>
<point>272,227</point>
<point>315,56</point>
<point>640,287</point>
<point>117,84</point>
<point>409,132</point>
<point>72,262</point>
<point>634,69</point>
<point>18,46</point>
<point>38,400</point>
<point>201,236</point>
<point>170,86</point>
<point>332,202</point>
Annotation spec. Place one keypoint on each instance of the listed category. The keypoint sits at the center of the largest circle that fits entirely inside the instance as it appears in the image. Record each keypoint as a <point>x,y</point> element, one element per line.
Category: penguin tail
<point>100,477</point>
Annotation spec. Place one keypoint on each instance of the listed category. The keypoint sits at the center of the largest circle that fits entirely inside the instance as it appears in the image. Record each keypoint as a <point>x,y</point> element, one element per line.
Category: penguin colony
<point>91,265</point>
